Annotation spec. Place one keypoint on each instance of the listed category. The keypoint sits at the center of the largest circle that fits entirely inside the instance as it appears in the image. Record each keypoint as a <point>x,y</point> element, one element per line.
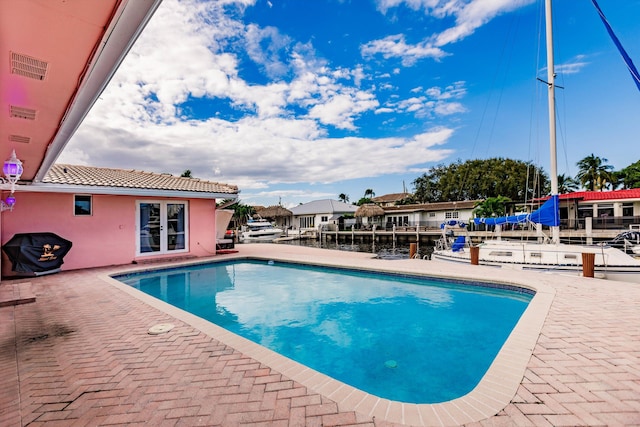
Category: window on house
<point>307,221</point>
<point>451,215</point>
<point>82,205</point>
<point>432,214</point>
<point>605,210</point>
<point>324,219</point>
<point>585,211</point>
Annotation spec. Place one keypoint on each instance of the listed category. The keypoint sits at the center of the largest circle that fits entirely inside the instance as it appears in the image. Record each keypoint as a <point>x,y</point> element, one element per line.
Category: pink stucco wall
<point>108,237</point>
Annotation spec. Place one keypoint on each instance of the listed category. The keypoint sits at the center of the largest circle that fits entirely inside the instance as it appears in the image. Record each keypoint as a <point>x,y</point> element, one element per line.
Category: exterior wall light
<point>12,171</point>
<point>8,203</point>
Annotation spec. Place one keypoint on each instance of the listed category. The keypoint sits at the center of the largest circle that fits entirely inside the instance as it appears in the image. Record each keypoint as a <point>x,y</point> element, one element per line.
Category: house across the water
<point>326,212</point>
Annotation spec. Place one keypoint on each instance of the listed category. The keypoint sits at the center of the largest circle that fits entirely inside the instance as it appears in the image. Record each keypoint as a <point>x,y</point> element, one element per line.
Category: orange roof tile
<point>120,178</point>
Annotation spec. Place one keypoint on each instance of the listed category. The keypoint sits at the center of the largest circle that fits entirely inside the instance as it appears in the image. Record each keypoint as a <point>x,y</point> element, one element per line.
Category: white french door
<point>161,227</point>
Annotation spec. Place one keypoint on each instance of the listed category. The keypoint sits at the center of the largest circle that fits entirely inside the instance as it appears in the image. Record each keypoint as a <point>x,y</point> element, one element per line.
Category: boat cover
<point>547,214</point>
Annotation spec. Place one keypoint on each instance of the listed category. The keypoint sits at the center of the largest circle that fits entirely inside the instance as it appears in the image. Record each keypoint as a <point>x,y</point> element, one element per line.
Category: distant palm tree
<point>594,173</point>
<point>566,184</point>
<point>242,213</point>
<point>369,193</point>
<point>491,207</point>
<point>187,174</point>
<point>343,198</point>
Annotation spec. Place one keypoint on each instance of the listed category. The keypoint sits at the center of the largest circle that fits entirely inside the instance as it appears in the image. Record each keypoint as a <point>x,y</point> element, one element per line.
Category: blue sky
<point>295,100</point>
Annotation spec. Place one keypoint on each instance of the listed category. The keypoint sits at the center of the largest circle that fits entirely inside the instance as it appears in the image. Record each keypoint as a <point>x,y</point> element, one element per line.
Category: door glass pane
<point>175,226</point>
<point>149,227</point>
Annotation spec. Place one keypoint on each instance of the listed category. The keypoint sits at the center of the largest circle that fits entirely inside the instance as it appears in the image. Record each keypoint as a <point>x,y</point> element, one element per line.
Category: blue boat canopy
<point>547,214</point>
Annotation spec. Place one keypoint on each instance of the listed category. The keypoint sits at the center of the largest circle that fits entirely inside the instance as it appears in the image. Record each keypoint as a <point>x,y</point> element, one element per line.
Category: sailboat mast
<point>551,75</point>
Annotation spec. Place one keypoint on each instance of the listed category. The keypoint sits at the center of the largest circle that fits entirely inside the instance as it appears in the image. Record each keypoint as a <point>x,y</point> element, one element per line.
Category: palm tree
<point>566,184</point>
<point>187,174</point>
<point>369,193</point>
<point>343,198</point>
<point>242,213</point>
<point>491,207</point>
<point>594,173</point>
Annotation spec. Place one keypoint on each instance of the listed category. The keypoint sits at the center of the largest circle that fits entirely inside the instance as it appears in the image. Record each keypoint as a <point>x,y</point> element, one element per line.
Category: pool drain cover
<point>161,328</point>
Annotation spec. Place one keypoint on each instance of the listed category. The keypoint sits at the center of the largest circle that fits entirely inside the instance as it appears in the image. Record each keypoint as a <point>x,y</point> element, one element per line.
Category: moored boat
<point>549,255</point>
<point>609,262</point>
<point>627,241</point>
<point>259,230</point>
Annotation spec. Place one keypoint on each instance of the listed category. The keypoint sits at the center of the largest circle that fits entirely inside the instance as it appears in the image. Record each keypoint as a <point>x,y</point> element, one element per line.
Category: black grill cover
<point>36,252</point>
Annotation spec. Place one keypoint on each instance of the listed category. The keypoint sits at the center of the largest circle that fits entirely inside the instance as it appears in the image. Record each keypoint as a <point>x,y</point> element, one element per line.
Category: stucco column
<point>617,209</point>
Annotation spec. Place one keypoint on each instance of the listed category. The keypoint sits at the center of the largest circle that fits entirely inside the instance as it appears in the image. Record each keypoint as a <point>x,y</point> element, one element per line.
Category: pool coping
<point>493,393</point>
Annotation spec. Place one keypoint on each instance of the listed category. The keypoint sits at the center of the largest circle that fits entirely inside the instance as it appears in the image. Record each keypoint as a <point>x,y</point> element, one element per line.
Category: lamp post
<point>12,170</point>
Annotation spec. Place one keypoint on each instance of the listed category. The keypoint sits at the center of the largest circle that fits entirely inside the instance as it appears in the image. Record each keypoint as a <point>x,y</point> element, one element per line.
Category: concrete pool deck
<point>81,355</point>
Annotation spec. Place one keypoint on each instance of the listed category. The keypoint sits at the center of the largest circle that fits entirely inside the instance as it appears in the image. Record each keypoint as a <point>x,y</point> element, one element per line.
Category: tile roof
<point>632,193</point>
<point>323,206</point>
<point>440,206</point>
<point>393,197</point>
<point>120,178</point>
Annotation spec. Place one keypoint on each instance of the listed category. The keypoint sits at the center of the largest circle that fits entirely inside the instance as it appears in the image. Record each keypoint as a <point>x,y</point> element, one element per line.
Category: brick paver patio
<point>81,355</point>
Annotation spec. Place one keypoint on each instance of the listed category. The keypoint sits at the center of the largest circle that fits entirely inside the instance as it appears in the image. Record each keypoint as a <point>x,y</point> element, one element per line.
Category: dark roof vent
<point>19,138</point>
<point>26,66</point>
<point>22,113</point>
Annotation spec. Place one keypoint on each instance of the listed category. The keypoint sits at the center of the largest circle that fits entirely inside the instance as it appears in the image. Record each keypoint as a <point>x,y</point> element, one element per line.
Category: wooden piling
<point>475,254</point>
<point>588,264</point>
<point>412,250</point>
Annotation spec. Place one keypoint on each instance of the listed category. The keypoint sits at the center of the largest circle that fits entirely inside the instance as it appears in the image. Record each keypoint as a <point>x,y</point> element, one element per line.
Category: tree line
<point>516,180</point>
<point>496,180</point>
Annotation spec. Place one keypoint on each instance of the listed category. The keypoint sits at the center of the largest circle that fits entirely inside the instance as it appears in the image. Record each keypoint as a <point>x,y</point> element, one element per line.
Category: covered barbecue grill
<point>35,254</point>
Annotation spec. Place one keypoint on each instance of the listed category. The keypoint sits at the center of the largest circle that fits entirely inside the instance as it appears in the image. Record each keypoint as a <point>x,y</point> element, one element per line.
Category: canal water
<point>382,250</point>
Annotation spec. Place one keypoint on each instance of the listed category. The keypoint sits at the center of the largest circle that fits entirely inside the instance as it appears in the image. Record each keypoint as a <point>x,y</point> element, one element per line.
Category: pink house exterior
<point>132,216</point>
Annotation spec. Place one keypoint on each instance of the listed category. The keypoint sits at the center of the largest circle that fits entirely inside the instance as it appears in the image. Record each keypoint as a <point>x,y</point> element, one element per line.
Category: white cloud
<point>264,46</point>
<point>253,150</point>
<point>279,132</point>
<point>434,101</point>
<point>396,46</point>
<point>340,110</point>
<point>469,15</point>
<point>575,65</point>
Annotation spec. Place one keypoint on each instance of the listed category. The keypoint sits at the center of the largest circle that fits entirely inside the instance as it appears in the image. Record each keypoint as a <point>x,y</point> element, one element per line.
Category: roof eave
<point>122,33</point>
<point>122,191</point>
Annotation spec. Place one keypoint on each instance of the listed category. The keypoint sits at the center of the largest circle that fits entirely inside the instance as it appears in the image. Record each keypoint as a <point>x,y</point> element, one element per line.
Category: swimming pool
<point>403,338</point>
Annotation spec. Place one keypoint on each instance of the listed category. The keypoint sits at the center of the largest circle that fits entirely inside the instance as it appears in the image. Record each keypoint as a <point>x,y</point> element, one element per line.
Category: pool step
<point>164,259</point>
<point>16,294</point>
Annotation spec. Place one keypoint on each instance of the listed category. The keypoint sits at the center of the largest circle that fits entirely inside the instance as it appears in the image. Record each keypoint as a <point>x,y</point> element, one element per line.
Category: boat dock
<point>430,235</point>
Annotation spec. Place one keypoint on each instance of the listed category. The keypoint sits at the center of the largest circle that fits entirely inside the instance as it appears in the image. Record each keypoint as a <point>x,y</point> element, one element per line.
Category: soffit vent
<point>28,67</point>
<point>19,138</point>
<point>22,113</point>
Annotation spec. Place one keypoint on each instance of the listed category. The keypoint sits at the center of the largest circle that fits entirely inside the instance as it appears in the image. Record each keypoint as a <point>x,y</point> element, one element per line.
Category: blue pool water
<point>407,339</point>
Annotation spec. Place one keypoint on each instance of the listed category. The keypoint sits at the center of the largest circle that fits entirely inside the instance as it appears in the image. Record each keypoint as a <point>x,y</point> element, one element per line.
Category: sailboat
<point>549,255</point>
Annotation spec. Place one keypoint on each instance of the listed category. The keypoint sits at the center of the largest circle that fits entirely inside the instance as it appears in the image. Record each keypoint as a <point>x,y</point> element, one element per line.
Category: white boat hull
<point>610,263</point>
<point>247,236</point>
<point>259,230</point>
